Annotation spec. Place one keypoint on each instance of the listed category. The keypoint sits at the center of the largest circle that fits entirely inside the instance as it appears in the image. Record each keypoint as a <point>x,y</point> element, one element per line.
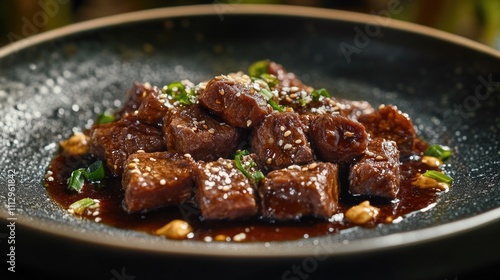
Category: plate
<point>54,83</point>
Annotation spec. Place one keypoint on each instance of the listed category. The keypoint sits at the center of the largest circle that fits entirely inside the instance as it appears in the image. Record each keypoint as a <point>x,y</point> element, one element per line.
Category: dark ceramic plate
<point>54,83</point>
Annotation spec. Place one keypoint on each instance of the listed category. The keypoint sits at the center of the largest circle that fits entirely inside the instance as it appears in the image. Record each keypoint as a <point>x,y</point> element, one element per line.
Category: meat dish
<point>242,157</point>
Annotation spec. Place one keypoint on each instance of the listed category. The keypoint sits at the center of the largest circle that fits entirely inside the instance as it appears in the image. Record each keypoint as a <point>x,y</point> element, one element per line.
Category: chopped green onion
<point>270,79</point>
<point>180,93</point>
<point>105,118</point>
<point>93,173</point>
<point>438,176</point>
<point>79,206</point>
<point>317,93</point>
<point>76,180</point>
<point>438,151</point>
<point>269,96</point>
<point>256,176</point>
<point>258,68</point>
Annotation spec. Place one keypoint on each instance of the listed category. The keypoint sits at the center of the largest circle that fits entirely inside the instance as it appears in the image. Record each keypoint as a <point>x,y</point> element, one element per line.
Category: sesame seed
<point>287,146</point>
<point>298,141</point>
<point>136,160</point>
<point>293,95</point>
<point>282,128</point>
<point>98,219</point>
<point>152,159</point>
<point>132,165</point>
<point>221,91</point>
<point>249,122</point>
<point>379,157</point>
<point>348,134</point>
<point>163,182</point>
<point>239,237</point>
<point>211,131</point>
<point>287,133</point>
<point>313,165</point>
<point>280,143</point>
<point>187,155</point>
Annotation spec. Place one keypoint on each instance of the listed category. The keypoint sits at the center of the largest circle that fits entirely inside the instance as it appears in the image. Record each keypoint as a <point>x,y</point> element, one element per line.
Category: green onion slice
<point>94,173</point>
<point>180,93</point>
<point>438,176</point>
<point>317,93</point>
<point>257,175</point>
<point>105,118</point>
<point>258,68</point>
<point>79,206</point>
<point>438,151</point>
<point>76,180</point>
<point>269,96</point>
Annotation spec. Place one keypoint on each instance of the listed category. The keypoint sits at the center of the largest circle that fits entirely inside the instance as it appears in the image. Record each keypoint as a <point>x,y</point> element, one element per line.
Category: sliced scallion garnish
<point>256,175</point>
<point>317,93</point>
<point>93,173</point>
<point>438,151</point>
<point>438,176</point>
<point>105,118</point>
<point>269,96</point>
<point>180,93</point>
<point>258,68</point>
<point>79,206</point>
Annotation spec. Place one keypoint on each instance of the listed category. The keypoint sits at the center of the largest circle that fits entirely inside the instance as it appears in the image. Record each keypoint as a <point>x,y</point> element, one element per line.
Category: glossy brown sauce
<point>111,211</point>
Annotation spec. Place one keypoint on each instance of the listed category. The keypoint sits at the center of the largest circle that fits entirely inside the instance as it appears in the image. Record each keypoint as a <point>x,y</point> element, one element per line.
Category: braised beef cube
<point>115,141</point>
<point>223,192</point>
<point>299,191</point>
<point>279,141</point>
<point>133,98</point>
<point>353,109</point>
<point>377,173</point>
<point>194,131</point>
<point>153,107</point>
<point>390,123</point>
<point>235,99</point>
<point>337,139</point>
<point>285,78</point>
<point>153,180</point>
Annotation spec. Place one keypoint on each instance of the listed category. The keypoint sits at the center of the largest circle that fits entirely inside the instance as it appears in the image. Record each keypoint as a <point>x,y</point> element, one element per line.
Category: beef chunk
<point>280,141</point>
<point>377,173</point>
<point>299,191</point>
<point>133,98</point>
<point>153,107</point>
<point>337,138</point>
<point>353,109</point>
<point>390,123</point>
<point>153,180</point>
<point>223,192</point>
<point>235,99</point>
<point>194,131</point>
<point>285,78</point>
<point>115,141</point>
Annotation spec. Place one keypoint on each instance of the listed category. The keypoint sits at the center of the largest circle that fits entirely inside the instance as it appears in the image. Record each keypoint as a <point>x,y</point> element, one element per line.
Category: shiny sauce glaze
<point>112,212</point>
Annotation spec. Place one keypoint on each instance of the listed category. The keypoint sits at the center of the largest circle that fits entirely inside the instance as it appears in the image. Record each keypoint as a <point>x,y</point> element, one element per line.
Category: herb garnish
<point>438,176</point>
<point>93,173</point>
<point>438,151</point>
<point>178,92</point>
<point>245,167</point>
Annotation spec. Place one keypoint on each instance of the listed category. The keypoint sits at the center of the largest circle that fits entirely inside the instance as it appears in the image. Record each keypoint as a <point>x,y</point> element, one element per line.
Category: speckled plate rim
<point>273,249</point>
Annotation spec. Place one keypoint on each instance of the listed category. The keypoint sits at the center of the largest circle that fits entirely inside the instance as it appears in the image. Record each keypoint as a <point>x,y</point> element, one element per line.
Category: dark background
<point>478,20</point>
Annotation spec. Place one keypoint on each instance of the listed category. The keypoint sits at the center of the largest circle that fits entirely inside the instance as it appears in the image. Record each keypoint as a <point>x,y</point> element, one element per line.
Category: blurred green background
<point>478,20</point>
